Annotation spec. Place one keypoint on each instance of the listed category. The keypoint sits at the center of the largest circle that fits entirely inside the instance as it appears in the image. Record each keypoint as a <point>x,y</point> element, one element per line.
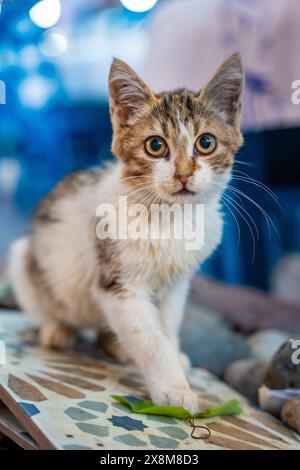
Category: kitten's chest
<point>157,264</point>
<point>163,260</point>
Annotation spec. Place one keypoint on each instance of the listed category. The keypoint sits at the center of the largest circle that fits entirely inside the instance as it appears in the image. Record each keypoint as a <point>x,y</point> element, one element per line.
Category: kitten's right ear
<point>128,93</point>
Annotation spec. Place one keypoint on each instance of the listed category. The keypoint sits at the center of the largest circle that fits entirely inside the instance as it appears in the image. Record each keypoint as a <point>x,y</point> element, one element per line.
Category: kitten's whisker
<point>138,190</point>
<point>153,195</point>
<point>223,191</point>
<point>245,212</point>
<point>261,209</point>
<point>240,210</point>
<point>249,179</point>
<point>240,162</point>
<point>266,216</point>
<point>235,219</point>
<point>149,201</point>
<point>239,197</point>
<point>139,194</point>
<point>249,226</point>
<point>259,186</point>
<point>148,191</point>
<point>138,185</point>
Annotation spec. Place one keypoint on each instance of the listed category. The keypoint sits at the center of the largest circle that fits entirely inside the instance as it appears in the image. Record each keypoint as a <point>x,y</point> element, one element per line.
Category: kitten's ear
<point>128,93</point>
<point>224,90</point>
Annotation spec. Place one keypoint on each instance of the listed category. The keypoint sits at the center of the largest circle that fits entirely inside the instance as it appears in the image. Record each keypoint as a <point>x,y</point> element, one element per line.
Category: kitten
<point>174,147</point>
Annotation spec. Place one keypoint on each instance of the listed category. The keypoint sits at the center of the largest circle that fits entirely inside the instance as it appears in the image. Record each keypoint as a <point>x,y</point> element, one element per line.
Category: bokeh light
<point>45,13</point>
<point>35,91</point>
<point>54,43</point>
<point>139,6</point>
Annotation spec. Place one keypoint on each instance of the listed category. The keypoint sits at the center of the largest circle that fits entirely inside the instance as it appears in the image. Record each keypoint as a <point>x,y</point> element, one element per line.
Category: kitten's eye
<point>156,147</point>
<point>205,144</point>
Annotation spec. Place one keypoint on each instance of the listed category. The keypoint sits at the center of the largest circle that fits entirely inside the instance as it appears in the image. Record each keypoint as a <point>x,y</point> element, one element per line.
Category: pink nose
<point>183,178</point>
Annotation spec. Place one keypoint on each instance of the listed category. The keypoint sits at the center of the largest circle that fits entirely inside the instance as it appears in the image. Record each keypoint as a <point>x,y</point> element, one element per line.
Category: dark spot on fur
<point>68,186</point>
<point>33,269</point>
<point>110,283</point>
<point>109,267</point>
<point>46,218</point>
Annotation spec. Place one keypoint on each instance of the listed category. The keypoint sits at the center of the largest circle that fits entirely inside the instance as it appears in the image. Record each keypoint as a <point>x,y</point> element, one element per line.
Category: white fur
<point>157,276</point>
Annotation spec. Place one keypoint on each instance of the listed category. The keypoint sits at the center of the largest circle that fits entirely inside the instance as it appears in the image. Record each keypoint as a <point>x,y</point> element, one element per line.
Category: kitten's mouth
<point>184,192</point>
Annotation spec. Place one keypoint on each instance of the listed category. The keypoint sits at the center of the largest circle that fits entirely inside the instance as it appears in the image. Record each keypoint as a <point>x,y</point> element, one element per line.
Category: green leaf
<point>232,407</point>
<point>146,407</point>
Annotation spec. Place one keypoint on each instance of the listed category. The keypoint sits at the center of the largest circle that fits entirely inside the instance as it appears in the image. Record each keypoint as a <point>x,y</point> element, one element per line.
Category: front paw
<point>183,397</point>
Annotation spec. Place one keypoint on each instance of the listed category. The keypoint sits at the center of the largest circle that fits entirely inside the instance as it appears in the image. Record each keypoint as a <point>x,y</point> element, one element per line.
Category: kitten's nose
<point>183,178</point>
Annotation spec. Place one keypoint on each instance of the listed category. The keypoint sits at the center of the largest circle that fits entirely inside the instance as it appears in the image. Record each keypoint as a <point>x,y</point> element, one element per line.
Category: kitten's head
<point>177,146</point>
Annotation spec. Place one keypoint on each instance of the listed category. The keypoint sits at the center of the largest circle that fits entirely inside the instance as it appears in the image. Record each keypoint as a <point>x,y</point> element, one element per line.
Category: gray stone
<point>246,376</point>
<point>208,341</point>
<point>284,369</point>
<point>290,413</point>
<point>206,316</point>
<point>266,343</point>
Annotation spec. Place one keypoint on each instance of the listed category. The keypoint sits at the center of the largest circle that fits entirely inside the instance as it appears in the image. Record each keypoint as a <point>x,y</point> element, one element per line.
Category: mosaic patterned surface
<point>64,399</point>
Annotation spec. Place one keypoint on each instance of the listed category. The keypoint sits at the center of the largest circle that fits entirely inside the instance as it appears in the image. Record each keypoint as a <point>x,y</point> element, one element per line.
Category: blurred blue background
<point>54,60</point>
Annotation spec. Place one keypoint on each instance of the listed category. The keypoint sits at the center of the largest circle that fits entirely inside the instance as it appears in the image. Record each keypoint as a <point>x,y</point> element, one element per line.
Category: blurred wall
<point>55,64</point>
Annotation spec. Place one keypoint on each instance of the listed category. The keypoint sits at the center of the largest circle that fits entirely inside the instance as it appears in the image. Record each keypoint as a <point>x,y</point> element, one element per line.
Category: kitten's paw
<point>183,397</point>
<point>185,362</point>
<point>56,336</point>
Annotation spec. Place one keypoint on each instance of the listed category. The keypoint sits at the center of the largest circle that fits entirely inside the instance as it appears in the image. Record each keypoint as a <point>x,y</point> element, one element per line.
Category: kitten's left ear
<point>128,93</point>
<point>224,90</point>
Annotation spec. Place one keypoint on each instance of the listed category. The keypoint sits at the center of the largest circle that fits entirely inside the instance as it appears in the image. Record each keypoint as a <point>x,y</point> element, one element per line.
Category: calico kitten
<point>173,147</point>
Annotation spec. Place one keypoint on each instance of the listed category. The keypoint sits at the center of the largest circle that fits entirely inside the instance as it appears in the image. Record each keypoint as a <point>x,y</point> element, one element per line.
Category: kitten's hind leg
<point>56,335</point>
<point>28,282</point>
<point>109,344</point>
<point>34,296</point>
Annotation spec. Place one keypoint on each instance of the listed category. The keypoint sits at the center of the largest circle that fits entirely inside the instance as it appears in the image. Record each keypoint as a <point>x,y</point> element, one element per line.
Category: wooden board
<point>12,428</point>
<point>63,400</point>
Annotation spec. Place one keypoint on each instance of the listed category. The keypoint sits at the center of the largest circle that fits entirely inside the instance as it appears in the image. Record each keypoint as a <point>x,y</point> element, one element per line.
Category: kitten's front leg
<point>171,309</point>
<point>135,320</point>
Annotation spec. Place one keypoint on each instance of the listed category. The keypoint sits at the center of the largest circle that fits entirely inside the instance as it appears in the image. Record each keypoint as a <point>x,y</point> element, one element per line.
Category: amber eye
<point>156,147</point>
<point>205,144</point>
